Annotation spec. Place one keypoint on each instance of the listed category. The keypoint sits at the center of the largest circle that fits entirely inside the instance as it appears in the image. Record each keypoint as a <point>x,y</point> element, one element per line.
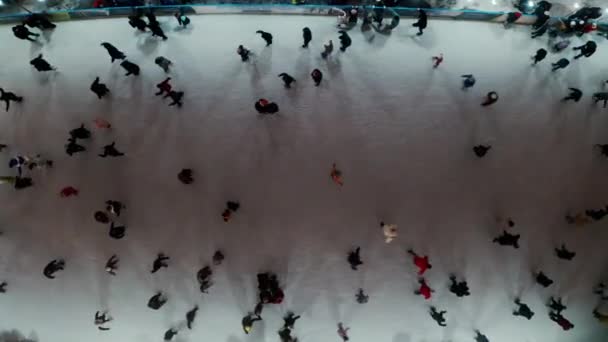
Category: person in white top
<point>390,231</point>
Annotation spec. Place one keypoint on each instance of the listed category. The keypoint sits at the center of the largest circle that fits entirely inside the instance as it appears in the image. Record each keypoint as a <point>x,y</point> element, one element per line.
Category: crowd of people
<point>270,290</point>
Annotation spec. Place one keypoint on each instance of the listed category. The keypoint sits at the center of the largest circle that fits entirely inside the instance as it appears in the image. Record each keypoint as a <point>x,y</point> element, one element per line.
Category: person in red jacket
<point>69,191</point>
<point>421,262</point>
<point>561,320</point>
<point>424,289</point>
<point>164,87</point>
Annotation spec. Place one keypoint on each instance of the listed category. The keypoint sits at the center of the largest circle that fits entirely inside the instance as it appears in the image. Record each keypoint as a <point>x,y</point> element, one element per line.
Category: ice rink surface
<point>400,131</point>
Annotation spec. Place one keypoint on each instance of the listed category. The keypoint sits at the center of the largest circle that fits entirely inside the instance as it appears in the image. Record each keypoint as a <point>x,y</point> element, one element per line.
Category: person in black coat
<point>52,267</point>
<point>437,316</point>
<point>137,22</point>
<point>176,96</point>
<point>556,305</point>
<point>287,79</point>
<point>73,147</point>
<point>112,265</point>
<point>41,64</point>
<point>522,310</point>
<point>307,35</point>
<point>491,98</point>
<point>159,262</point>
<point>243,52</point>
<point>561,64</point>
<point>596,215</point>
<point>110,150</point>
<point>422,22</point>
<point>169,334</point>
<point>3,287</point>
<point>540,55</point>
<point>39,21</point>
<point>481,150</point>
<point>507,239</point>
<point>157,301</point>
<point>157,30</point>
<point>113,51</point>
<point>460,289</point>
<point>22,32</point>
<point>603,149</point>
<point>8,96</point>
<point>117,232</point>
<point>131,68</point>
<point>575,94</point>
<point>290,320</point>
<point>543,279</point>
<point>587,49</point>
<point>564,253</point>
<point>317,76</point>
<point>479,337</point>
<point>190,315</point>
<point>266,36</point>
<point>263,106</point>
<point>354,258</point>
<point>345,40</point>
<point>99,89</point>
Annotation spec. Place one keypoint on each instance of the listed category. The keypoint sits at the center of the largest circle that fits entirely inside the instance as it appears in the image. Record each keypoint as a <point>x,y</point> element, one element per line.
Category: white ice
<point>401,133</point>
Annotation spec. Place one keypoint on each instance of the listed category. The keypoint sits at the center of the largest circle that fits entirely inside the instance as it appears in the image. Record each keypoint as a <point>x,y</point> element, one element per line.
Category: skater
<point>343,332</point>
<point>468,81</point>
<point>596,215</point>
<point>602,318</point>
<point>345,40</point>
<point>243,52</point>
<point>601,96</point>
<point>247,322</point>
<point>317,76</point>
<point>176,96</point>
<point>543,279</point>
<point>479,337</point>
<point>131,68</point>
<point>102,318</point>
<point>156,29</point>
<point>164,87</point>
<point>114,207</point>
<point>231,207</point>
<point>101,123</point>
<point>602,290</point>
<point>218,258</point>
<point>182,20</point>
<point>163,63</point>
<point>491,98</point>
<point>68,191</point>
<point>556,305</point>
<point>169,334</point>
<point>259,307</point>
<point>481,150</point>
<point>561,320</point>
<point>460,289</point>
<point>575,94</point>
<point>137,22</point>
<point>18,182</point>
<point>72,147</point>
<point>22,32</point>
<point>117,232</point>
<point>336,175</point>
<point>561,64</point>
<point>204,274</point>
<point>437,316</point>
<point>3,287</point>
<point>287,79</point>
<point>327,49</point>
<point>422,22</point>
<point>285,335</point>
<point>289,320</point>
<point>41,64</point>
<point>159,262</point>
<point>307,35</point>
<point>579,219</point>
<point>8,96</point>
<point>564,253</point>
<point>80,133</point>
<point>587,49</point>
<point>266,36</point>
<point>561,45</point>
<point>99,89</point>
<point>110,150</point>
<point>507,239</point>
<point>361,297</point>
<point>603,149</point>
<point>390,231</point>
<point>540,55</point>
<point>157,301</point>
<point>263,106</point>
<point>421,262</point>
<point>52,267</point>
<point>437,60</point>
<point>112,265</point>
<point>541,30</point>
<point>512,17</point>
<point>190,315</point>
<point>185,176</point>
<point>522,310</point>
<point>101,217</point>
<point>354,258</point>
<point>113,51</point>
<point>424,290</point>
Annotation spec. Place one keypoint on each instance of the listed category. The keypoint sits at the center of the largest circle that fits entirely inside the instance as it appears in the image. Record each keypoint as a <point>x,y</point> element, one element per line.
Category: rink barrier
<point>281,9</point>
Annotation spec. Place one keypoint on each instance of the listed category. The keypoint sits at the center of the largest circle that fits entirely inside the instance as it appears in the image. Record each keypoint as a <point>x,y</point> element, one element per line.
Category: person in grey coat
<point>163,62</point>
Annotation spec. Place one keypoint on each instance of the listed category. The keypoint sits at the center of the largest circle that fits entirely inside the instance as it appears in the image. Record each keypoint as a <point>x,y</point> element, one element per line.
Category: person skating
<point>131,68</point>
<point>231,207</point>
<point>422,22</point>
<point>575,95</point>
<point>41,64</point>
<point>336,175</point>
<point>437,60</point>
<point>169,334</point>
<point>101,217</point>
<point>185,176</point>
<point>460,289</point>
<point>602,318</point>
<point>8,96</point>
<point>307,35</point>
<point>287,79</point>
<point>243,52</point>
<point>204,274</point>
<point>264,106</point>
<point>285,335</point>
<point>564,253</point>
<point>137,22</point>
<point>80,133</point>
<point>543,279</point>
<point>561,320</point>
<point>491,98</point>
<point>113,51</point>
<point>602,290</point>
<point>556,305</point>
<point>539,31</point>
<point>587,49</point>
<point>247,322</point>
<point>289,320</point>
<point>424,290</point>
<point>468,81</point>
<point>18,182</point>
<point>317,76</point>
<point>117,232</point>
<point>354,258</point>
<point>99,89</point>
<point>159,262</point>
<point>601,96</point>
<point>343,332</point>
<point>389,231</point>
<point>437,316</point>
<point>40,21</point>
<point>481,150</point>
<point>345,40</point>
<point>561,64</point>
<point>561,45</point>
<point>522,310</point>
<point>512,17</point>
<point>53,267</point>
<point>479,337</point>
<point>73,147</point>
<point>101,123</point>
<point>112,265</point>
<point>68,191</point>
<point>176,97</point>
<point>3,286</point>
<point>114,207</point>
<point>156,29</point>
<point>259,307</point>
<point>421,262</point>
<point>164,87</point>
<point>22,32</point>
<point>266,36</point>
<point>102,318</point>
<point>603,149</point>
<point>218,257</point>
<point>163,63</point>
<point>157,301</point>
<point>110,150</point>
<point>190,315</point>
<point>507,239</point>
<point>327,49</point>
<point>361,297</point>
<point>182,19</point>
<point>540,55</point>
